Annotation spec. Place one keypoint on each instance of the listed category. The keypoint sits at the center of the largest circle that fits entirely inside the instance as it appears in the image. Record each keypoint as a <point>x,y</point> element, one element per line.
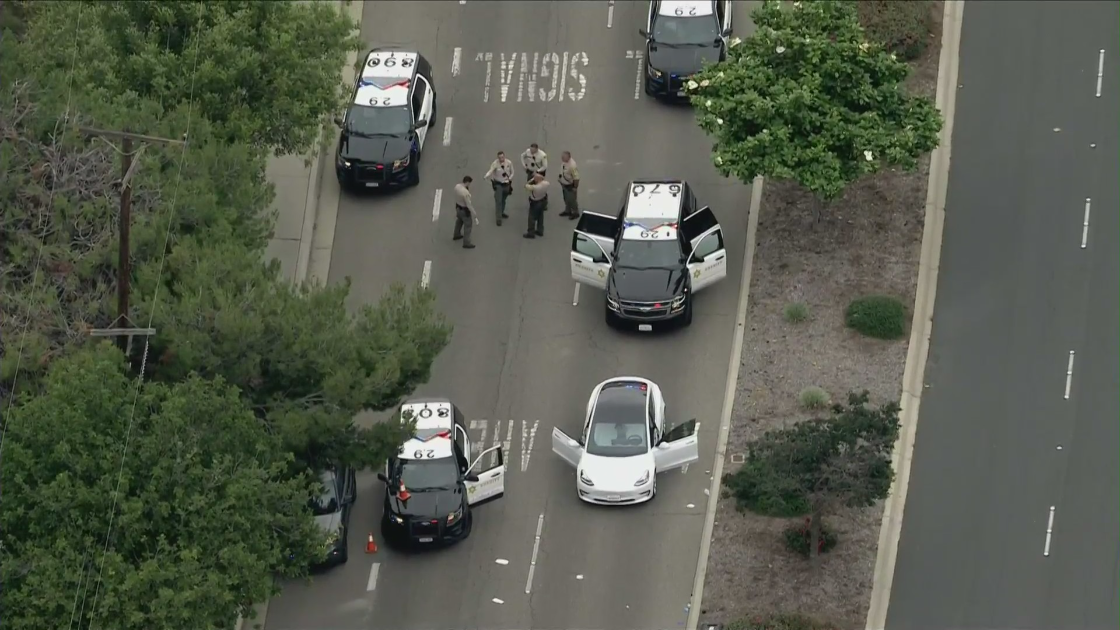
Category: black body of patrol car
<point>379,147</point>
<point>679,46</point>
<point>431,514</point>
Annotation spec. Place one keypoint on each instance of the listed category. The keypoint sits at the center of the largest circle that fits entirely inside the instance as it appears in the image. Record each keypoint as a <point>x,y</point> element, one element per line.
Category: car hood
<point>382,149</point>
<point>616,473</point>
<point>329,523</point>
<point>648,285</point>
<point>428,504</point>
<point>683,61</point>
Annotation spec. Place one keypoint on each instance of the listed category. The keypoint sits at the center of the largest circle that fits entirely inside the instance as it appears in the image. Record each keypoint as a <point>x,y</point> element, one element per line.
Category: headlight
<point>401,163</point>
<point>585,479</point>
<point>396,519</point>
<point>341,162</point>
<point>653,72</point>
<point>678,302</point>
<point>643,480</point>
<point>454,516</point>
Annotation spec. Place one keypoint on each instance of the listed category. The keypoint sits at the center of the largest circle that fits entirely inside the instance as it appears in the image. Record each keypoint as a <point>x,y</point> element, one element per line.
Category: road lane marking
<point>426,275</point>
<point>543,77</point>
<point>1100,72</point>
<point>563,75</point>
<point>501,561</point>
<point>1049,531</point>
<point>528,437</point>
<point>498,601</point>
<point>456,60</point>
<point>447,131</point>
<point>1069,374</point>
<point>1085,224</point>
<point>435,205</point>
<point>488,58</point>
<point>610,13</point>
<point>637,56</point>
<point>536,549</point>
<point>575,296</point>
<point>476,425</point>
<point>373,571</point>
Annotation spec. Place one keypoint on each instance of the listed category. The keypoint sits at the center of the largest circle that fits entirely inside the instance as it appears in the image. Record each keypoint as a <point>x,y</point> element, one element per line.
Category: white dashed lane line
<point>426,275</point>
<point>456,60</point>
<point>435,205</point>
<point>447,131</point>
<point>374,570</point>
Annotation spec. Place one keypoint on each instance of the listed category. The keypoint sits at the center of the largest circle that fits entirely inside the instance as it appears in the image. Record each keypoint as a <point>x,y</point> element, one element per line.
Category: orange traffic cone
<point>371,546</point>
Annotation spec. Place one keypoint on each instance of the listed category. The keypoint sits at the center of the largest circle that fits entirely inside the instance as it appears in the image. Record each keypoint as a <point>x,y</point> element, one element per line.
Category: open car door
<point>592,243</point>
<point>568,449</point>
<point>707,264</point>
<point>680,446</point>
<point>491,482</point>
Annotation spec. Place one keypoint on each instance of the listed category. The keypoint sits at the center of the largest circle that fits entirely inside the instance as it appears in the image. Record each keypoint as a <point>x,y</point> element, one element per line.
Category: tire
<point>686,321</point>
<point>432,120</point>
<point>345,553</point>
<point>414,172</point>
<point>612,321</point>
<point>654,495</point>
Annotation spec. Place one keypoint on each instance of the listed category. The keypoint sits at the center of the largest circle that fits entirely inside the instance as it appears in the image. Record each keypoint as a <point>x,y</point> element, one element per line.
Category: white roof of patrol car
<point>659,202</point>
<point>434,423</point>
<point>385,80</point>
<point>685,8</point>
<point>439,445</point>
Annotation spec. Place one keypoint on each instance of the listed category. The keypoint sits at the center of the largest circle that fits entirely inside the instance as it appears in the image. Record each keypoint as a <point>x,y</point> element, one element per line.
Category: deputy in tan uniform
<point>569,184</point>
<point>501,179</point>
<point>538,205</point>
<point>534,161</point>
<point>465,216</point>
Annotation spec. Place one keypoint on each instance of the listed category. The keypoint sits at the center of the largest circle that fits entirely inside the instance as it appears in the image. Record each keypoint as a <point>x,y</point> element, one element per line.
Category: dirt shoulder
<point>868,244</point>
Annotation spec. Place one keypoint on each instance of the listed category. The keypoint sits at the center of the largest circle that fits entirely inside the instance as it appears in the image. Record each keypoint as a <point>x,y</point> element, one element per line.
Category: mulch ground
<point>868,242</point>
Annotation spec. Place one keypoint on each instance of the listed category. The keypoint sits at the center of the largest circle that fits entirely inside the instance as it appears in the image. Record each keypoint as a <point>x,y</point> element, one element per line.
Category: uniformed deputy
<point>569,184</point>
<point>501,178</point>
<point>465,216</point>
<point>538,205</point>
<point>534,160</point>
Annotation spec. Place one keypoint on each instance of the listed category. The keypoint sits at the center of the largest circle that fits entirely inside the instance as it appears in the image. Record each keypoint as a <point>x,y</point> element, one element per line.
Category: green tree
<point>302,360</point>
<point>814,466</point>
<point>266,72</point>
<point>202,512</point>
<point>809,98</point>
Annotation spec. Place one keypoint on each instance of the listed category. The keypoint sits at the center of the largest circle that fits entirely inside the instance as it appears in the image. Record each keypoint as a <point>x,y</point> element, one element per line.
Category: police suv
<point>391,112</point>
<point>432,483</point>
<point>681,37</point>
<point>651,258</point>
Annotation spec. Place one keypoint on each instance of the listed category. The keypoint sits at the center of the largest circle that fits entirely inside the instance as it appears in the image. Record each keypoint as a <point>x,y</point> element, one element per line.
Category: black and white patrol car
<point>660,249</point>
<point>681,37</point>
<point>392,109</point>
<point>433,482</point>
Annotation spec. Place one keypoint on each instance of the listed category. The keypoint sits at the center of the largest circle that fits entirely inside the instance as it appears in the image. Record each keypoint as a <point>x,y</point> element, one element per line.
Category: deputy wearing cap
<point>538,205</point>
<point>534,160</point>
<point>569,184</point>
<point>465,216</point>
<point>501,179</point>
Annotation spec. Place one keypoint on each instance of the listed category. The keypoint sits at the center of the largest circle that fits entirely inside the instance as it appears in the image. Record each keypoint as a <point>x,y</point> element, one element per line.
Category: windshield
<point>417,475</point>
<point>363,119</point>
<point>647,254</point>
<point>326,502</point>
<point>618,439</point>
<point>675,31</point>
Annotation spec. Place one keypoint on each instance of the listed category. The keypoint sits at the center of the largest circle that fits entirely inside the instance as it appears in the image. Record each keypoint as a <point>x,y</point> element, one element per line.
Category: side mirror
<point>664,446</point>
<point>338,121</point>
<point>421,122</point>
<point>643,33</point>
<point>383,478</point>
<point>471,477</point>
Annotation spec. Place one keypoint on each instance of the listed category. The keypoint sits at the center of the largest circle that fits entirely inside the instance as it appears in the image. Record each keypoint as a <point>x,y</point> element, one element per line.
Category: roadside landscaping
<point>830,306</point>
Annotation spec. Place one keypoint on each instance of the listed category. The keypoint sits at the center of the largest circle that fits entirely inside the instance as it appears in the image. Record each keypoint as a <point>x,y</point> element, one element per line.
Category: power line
<point>151,317</point>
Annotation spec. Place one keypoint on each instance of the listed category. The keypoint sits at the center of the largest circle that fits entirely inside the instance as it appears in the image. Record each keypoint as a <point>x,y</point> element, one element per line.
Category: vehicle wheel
<point>345,554</point>
<point>612,321</point>
<point>432,120</point>
<point>414,172</point>
<point>469,526</point>
<point>386,532</point>
<point>687,319</point>
<point>654,495</point>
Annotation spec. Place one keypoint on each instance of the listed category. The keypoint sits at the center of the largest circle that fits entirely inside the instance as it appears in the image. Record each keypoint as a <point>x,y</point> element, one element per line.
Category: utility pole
<point>122,328</point>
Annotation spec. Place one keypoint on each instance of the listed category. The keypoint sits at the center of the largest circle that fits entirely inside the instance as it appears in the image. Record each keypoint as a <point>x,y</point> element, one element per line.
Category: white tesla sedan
<point>625,443</point>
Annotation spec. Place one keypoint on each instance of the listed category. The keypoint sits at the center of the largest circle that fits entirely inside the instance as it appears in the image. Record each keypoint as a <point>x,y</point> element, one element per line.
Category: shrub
<point>758,488</point>
<point>878,316</point>
<point>813,397</point>
<point>795,313</point>
<point>798,538</point>
<point>902,27</point>
<point>780,621</point>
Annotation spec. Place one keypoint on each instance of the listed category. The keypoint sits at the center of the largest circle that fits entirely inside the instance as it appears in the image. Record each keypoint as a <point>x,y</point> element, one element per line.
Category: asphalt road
<point>999,445</point>
<point>524,359</point>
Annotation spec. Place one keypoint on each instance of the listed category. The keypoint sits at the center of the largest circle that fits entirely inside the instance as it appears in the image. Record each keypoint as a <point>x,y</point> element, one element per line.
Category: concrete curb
<point>735,361</point>
<point>913,379</point>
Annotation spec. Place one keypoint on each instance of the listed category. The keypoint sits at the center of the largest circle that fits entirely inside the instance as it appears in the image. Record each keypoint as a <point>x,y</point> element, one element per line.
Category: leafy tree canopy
<point>809,98</point>
<point>816,465</point>
<point>301,359</point>
<point>205,512</point>
<point>261,71</point>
